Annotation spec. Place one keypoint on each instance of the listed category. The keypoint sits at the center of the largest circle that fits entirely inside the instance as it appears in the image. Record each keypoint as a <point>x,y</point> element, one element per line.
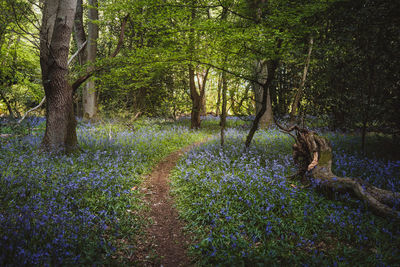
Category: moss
<point>325,158</point>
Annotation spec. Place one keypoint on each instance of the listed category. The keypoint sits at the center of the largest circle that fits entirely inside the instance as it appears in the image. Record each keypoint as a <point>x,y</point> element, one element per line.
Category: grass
<point>244,211</point>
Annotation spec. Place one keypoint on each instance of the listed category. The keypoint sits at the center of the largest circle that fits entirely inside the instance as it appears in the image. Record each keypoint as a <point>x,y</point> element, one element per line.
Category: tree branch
<point>247,78</point>
<point>32,109</point>
<point>76,53</point>
<point>88,74</point>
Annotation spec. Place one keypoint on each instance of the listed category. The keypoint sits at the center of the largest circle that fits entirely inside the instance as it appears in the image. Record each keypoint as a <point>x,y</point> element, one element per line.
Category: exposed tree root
<point>313,155</point>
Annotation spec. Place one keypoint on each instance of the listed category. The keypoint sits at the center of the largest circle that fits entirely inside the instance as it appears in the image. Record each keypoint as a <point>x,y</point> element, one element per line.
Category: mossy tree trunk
<point>313,154</point>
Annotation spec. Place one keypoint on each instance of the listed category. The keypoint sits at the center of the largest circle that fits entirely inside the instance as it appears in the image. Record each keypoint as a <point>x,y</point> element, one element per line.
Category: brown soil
<point>164,243</point>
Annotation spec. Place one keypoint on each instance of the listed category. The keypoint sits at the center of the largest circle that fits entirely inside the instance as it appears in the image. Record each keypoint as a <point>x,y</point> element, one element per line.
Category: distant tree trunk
<point>223,110</point>
<point>366,106</point>
<point>80,39</point>
<point>197,96</point>
<point>299,93</point>
<point>221,78</point>
<point>314,153</point>
<point>261,92</point>
<point>194,95</point>
<point>10,111</point>
<point>268,118</point>
<point>55,36</point>
<point>271,74</point>
<point>79,32</point>
<point>196,101</point>
<point>89,91</point>
<point>204,104</point>
<point>219,96</point>
<point>364,133</point>
<point>201,81</point>
<point>261,70</point>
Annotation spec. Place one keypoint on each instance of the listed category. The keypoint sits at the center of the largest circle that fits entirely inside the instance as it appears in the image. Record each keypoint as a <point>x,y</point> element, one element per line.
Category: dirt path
<point>164,243</point>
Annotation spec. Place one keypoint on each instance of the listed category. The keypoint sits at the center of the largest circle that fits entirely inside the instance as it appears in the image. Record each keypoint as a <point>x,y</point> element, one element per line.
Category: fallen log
<point>313,156</point>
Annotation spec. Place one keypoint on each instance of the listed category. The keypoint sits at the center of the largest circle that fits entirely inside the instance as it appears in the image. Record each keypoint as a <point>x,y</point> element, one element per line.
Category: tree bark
<point>223,109</point>
<point>194,95</point>
<point>197,96</point>
<point>219,87</point>
<point>261,71</point>
<point>89,91</point>
<point>204,104</point>
<point>55,36</point>
<point>196,101</point>
<point>202,81</point>
<point>313,153</point>
<point>299,93</point>
<point>80,39</point>
<point>267,119</point>
<point>79,32</point>
<point>273,66</point>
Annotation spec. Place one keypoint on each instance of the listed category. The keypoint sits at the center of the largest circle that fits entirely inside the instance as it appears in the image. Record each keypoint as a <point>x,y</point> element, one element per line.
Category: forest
<point>199,133</point>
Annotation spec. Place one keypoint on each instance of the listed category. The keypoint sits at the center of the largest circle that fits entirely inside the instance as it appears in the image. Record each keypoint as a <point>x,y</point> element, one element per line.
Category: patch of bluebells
<point>9,126</point>
<point>71,209</point>
<point>244,211</point>
<point>34,121</point>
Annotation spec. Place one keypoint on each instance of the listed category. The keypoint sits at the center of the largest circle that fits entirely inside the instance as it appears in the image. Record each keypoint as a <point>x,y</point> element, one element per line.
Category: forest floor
<point>164,243</point>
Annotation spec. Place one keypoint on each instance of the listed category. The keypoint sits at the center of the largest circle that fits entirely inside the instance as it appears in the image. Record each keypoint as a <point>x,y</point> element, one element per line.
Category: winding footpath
<point>164,243</point>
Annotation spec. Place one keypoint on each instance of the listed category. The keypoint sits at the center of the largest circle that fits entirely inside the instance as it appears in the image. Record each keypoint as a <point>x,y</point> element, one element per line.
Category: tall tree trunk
<point>89,92</point>
<point>55,36</point>
<point>299,93</point>
<point>80,39</point>
<point>223,109</point>
<point>79,32</point>
<point>194,95</point>
<point>196,101</point>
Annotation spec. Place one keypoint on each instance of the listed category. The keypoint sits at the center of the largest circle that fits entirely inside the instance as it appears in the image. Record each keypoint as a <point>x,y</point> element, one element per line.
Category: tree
<point>313,153</point>
<point>197,96</point>
<point>19,67</point>
<point>55,36</point>
<point>89,92</point>
<point>79,35</point>
<point>262,75</point>
<point>223,108</point>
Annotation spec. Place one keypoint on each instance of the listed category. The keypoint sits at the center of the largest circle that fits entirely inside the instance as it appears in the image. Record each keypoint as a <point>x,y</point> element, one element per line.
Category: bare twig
<point>76,53</point>
<point>32,109</point>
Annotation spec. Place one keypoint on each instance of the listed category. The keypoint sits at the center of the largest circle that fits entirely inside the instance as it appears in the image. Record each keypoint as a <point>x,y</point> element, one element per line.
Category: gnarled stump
<point>313,154</point>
